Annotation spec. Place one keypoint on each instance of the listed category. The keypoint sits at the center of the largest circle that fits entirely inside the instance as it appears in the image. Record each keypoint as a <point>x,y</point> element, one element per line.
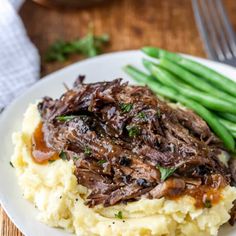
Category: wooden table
<point>131,24</point>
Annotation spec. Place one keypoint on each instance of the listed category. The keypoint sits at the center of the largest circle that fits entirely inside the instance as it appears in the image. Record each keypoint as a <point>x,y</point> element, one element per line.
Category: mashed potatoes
<point>54,190</point>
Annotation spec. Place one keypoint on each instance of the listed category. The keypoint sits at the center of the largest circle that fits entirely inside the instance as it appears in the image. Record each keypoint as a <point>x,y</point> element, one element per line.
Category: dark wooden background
<point>131,24</point>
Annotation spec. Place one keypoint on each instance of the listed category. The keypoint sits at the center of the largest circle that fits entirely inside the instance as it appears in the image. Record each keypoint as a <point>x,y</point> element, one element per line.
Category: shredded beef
<point>119,135</point>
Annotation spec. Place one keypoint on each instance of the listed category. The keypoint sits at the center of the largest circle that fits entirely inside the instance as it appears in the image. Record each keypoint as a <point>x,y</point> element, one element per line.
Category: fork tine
<point>200,23</point>
<point>228,26</point>
<point>219,28</point>
<point>211,29</point>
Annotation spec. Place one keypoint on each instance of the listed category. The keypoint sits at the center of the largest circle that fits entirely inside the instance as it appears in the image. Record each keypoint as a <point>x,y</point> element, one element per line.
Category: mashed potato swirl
<point>60,200</point>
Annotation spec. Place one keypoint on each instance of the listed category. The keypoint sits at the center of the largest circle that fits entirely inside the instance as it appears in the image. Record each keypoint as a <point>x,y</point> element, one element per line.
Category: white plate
<point>105,67</point>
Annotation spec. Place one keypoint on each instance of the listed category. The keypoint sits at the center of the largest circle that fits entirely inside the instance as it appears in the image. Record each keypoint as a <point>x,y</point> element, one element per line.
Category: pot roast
<point>127,143</point>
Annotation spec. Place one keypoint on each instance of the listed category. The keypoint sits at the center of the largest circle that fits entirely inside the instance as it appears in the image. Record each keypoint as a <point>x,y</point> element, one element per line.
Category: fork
<point>216,30</point>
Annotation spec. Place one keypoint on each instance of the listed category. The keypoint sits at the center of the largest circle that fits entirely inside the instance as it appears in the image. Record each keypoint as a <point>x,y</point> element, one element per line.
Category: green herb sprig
<point>119,215</point>
<point>101,162</point>
<point>88,46</point>
<point>207,203</point>
<point>65,118</point>
<point>11,164</point>
<point>51,161</point>
<point>62,155</point>
<point>87,151</point>
<point>142,115</point>
<point>75,158</point>
<point>133,131</point>
<point>165,172</point>
<point>126,107</point>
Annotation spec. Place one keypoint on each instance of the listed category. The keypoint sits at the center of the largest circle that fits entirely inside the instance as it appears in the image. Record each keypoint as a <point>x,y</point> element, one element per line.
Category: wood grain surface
<point>131,24</point>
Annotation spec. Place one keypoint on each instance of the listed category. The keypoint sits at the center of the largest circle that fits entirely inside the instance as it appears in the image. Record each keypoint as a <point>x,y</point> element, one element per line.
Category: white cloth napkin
<point>19,59</point>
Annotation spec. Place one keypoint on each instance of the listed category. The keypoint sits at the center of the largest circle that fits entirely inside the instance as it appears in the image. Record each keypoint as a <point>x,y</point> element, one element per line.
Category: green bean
<point>168,79</point>
<point>172,94</point>
<point>212,121</point>
<point>220,81</point>
<point>228,124</point>
<point>156,87</point>
<point>160,53</point>
<point>233,134</point>
<point>227,116</point>
<point>138,75</point>
<point>193,80</point>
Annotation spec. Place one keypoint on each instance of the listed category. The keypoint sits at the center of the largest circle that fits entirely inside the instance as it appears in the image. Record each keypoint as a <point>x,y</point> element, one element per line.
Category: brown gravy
<point>41,153</point>
<point>205,195</point>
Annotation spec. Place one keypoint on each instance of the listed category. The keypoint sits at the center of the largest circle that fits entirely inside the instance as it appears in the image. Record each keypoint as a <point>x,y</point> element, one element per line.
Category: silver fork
<point>216,30</point>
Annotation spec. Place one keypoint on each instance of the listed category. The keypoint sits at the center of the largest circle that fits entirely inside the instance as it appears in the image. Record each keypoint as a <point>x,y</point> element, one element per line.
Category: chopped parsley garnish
<point>158,113</point>
<point>11,164</point>
<point>165,172</point>
<point>51,161</point>
<point>65,118</point>
<point>88,46</point>
<point>62,155</point>
<point>142,115</point>
<point>101,162</point>
<point>87,151</point>
<point>207,203</point>
<point>75,158</point>
<point>119,215</point>
<point>126,107</point>
<point>133,131</point>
